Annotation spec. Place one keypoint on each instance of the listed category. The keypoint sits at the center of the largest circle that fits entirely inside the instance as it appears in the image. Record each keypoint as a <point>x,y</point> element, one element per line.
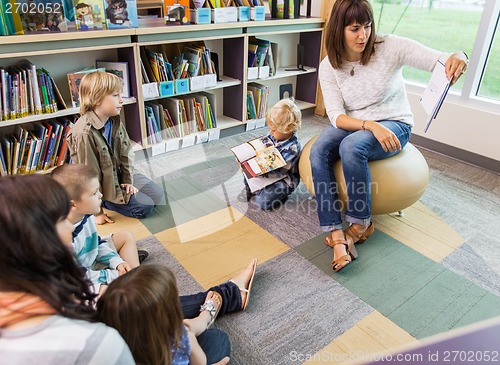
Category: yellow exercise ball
<point>397,182</point>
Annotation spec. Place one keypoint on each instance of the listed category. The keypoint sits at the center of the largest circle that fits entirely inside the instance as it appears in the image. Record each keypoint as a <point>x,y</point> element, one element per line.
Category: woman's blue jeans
<point>354,149</point>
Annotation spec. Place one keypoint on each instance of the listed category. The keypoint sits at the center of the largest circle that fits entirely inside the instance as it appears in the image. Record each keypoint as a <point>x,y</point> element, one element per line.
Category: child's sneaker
<point>143,255</point>
<point>248,193</point>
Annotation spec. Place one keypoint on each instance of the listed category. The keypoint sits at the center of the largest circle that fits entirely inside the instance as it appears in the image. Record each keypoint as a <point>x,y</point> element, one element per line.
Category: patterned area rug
<point>392,294</point>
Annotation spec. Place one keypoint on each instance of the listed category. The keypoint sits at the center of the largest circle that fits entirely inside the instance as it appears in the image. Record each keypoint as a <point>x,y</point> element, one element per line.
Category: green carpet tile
<point>186,200</point>
<point>209,164</point>
<point>419,295</point>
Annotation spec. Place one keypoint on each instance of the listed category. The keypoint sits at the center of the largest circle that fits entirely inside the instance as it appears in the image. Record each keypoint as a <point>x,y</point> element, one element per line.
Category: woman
<point>365,99</point>
<point>46,306</point>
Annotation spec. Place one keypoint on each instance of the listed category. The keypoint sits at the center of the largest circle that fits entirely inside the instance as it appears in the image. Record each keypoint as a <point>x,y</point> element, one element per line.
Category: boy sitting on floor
<point>104,258</point>
<point>283,120</point>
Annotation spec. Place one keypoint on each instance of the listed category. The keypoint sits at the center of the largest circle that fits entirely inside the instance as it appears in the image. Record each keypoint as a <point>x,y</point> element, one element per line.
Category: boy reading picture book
<point>269,163</point>
<point>258,156</point>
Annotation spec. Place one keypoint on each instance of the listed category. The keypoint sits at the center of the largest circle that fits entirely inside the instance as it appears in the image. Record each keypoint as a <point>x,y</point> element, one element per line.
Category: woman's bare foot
<point>243,281</point>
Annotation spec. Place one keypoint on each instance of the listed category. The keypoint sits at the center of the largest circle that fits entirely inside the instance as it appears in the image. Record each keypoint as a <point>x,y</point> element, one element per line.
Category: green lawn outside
<point>443,29</point>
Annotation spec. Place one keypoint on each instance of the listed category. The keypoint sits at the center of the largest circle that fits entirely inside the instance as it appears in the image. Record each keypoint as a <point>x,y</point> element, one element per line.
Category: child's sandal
<point>212,309</point>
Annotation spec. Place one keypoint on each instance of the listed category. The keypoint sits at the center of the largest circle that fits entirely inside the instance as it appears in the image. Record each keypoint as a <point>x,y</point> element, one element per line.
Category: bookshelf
<point>62,53</point>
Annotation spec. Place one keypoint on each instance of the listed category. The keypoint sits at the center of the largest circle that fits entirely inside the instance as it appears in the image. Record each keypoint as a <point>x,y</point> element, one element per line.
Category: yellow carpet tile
<point>123,223</point>
<point>371,335</point>
<point>422,230</point>
<point>215,247</point>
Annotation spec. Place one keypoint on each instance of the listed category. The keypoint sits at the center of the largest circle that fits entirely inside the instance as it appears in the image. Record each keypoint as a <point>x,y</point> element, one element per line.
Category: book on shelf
<point>121,14</point>
<point>176,11</point>
<point>206,109</point>
<point>89,14</point>
<point>42,15</point>
<point>27,90</point>
<point>258,156</point>
<point>10,18</point>
<point>257,101</point>
<point>35,147</point>
<point>263,46</point>
<point>435,93</point>
<point>74,80</point>
<point>119,69</point>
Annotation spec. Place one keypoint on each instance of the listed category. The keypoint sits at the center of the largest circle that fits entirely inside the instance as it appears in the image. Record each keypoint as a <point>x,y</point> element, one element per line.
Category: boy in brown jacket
<point>98,139</point>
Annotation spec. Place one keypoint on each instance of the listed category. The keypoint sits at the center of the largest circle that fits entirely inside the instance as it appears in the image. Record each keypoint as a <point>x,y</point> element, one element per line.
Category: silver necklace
<point>352,69</point>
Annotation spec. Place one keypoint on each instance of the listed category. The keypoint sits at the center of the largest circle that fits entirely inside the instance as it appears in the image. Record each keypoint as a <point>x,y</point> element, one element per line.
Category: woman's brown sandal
<point>361,236</point>
<point>344,260</point>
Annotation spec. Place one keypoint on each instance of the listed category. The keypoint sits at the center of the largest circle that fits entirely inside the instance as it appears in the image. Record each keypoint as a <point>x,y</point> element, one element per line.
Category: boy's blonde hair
<point>75,178</point>
<point>94,87</point>
<point>285,116</point>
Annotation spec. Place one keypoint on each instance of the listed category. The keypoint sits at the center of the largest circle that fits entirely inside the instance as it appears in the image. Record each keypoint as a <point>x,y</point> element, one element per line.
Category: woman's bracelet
<point>363,125</point>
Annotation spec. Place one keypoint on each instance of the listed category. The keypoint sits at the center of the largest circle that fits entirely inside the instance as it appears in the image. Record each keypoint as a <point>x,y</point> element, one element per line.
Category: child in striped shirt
<point>105,258</point>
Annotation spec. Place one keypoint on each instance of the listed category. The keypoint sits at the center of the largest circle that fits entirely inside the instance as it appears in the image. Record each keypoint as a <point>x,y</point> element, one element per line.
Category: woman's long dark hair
<point>344,13</point>
<point>32,257</point>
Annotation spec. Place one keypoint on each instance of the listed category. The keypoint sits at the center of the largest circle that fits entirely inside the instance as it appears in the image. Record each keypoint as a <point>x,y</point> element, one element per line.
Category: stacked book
<point>180,116</point>
<point>27,90</point>
<point>35,147</point>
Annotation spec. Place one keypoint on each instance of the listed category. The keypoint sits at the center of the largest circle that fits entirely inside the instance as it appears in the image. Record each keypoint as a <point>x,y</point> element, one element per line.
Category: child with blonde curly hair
<point>283,119</point>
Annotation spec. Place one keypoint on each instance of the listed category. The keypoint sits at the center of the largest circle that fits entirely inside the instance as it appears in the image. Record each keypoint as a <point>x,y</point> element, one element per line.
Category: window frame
<point>468,96</point>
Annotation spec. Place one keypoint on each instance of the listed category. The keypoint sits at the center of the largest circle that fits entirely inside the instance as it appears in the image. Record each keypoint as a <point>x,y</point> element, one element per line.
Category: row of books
<point>257,101</point>
<point>187,61</point>
<point>179,117</point>
<point>27,90</point>
<point>262,52</point>
<point>26,16</point>
<point>35,147</point>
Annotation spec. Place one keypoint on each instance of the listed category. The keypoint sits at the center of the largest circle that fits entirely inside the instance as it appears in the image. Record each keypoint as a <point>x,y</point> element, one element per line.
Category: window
<point>443,25</point>
<point>490,82</point>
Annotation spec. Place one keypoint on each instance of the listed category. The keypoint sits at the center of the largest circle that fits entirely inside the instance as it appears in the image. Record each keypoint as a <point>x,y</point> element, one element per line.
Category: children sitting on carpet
<point>283,120</point>
<point>104,258</point>
<point>100,140</point>
<point>148,299</point>
<point>47,310</point>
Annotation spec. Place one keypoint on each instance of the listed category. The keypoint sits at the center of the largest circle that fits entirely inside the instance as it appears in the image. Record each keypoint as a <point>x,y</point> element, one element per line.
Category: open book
<point>257,157</point>
<point>435,92</point>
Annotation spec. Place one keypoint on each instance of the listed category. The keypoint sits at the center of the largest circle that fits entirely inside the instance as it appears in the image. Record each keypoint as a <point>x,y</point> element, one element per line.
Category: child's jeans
<point>141,203</point>
<point>272,196</point>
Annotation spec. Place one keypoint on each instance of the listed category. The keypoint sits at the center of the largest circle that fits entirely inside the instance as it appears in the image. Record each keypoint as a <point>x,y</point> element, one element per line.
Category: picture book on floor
<point>258,156</point>
<point>121,13</point>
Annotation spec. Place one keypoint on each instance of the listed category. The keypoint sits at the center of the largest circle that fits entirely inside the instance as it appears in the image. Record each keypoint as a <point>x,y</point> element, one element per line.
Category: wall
<point>461,131</point>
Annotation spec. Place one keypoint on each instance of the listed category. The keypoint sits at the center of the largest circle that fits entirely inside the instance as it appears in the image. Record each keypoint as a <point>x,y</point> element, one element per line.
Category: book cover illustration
<point>74,80</point>
<point>258,157</point>
<point>89,14</point>
<point>42,15</point>
<point>121,14</point>
<point>176,11</point>
<point>119,69</point>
